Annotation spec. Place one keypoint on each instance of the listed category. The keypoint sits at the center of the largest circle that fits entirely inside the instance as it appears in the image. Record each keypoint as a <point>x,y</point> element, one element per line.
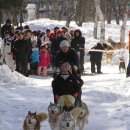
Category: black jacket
<point>58,41</point>
<point>5,29</point>
<point>71,57</point>
<point>78,42</point>
<point>96,55</point>
<point>69,86</point>
<point>21,49</point>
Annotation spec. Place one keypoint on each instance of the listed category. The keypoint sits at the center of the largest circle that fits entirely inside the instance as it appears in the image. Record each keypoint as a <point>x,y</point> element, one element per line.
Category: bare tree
<point>95,26</point>
<point>80,11</point>
<point>116,9</point>
<point>0,19</point>
<point>124,20</point>
<point>109,10</point>
<point>100,15</point>
<point>68,11</point>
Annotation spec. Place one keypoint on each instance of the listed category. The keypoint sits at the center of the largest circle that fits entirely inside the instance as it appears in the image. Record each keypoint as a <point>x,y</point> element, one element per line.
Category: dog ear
<point>29,112</point>
<point>35,113</point>
<point>51,103</point>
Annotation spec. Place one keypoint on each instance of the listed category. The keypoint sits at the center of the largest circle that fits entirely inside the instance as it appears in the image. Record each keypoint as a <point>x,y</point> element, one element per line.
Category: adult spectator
<point>59,38</point>
<point>6,28</point>
<point>21,52</point>
<point>96,58</point>
<point>52,47</point>
<point>6,50</point>
<point>78,43</point>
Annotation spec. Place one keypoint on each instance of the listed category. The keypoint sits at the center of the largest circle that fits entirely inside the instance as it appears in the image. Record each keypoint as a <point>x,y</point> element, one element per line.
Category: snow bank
<point>9,77</point>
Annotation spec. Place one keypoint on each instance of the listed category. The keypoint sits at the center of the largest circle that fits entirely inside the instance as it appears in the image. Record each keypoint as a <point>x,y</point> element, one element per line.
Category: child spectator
<point>34,56</point>
<point>44,60</point>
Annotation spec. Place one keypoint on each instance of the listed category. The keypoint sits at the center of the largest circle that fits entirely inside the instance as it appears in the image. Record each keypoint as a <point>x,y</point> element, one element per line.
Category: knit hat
<point>64,43</point>
<point>65,65</point>
<point>51,34</point>
<point>59,31</point>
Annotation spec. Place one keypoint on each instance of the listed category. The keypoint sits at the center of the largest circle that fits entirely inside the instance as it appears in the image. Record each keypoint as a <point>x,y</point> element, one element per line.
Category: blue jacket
<point>35,55</point>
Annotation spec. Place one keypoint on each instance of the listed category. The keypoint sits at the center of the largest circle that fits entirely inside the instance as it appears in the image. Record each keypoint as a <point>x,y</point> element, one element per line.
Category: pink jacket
<point>44,58</point>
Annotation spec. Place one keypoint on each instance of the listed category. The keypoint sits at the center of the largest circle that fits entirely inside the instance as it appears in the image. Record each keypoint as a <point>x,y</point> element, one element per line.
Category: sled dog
<point>67,120</point>
<point>122,67</point>
<point>53,113</point>
<point>33,120</point>
<point>83,116</point>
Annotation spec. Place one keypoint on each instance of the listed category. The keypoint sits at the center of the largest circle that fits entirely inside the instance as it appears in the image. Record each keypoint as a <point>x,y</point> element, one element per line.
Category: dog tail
<point>42,116</point>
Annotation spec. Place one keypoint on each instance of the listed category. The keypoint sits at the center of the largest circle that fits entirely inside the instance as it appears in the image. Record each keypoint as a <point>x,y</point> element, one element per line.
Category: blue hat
<point>64,43</point>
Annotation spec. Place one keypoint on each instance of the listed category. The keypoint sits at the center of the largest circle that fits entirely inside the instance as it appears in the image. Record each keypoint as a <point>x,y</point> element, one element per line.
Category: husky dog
<point>54,112</point>
<point>83,116</point>
<point>33,120</point>
<point>67,120</point>
<point>122,67</point>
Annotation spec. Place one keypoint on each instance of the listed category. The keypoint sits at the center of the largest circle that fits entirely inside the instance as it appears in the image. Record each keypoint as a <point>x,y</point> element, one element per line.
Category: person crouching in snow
<point>44,60</point>
<point>34,56</point>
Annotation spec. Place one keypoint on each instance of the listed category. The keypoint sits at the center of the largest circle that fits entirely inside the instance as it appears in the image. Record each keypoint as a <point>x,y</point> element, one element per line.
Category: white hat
<point>65,65</point>
<point>64,43</point>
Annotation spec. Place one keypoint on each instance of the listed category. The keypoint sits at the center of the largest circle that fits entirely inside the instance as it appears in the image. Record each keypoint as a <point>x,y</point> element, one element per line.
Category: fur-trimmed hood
<point>80,33</point>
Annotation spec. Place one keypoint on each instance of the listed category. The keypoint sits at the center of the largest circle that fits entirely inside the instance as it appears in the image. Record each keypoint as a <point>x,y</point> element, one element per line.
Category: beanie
<point>59,31</point>
<point>64,43</point>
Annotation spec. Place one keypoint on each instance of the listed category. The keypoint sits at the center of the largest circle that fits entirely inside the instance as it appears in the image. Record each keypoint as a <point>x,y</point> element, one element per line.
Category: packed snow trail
<point>107,96</point>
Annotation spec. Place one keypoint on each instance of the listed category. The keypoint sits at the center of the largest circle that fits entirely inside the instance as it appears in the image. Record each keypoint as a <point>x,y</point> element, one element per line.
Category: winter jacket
<point>71,57</point>
<point>68,86</point>
<point>29,48</point>
<point>7,45</point>
<point>5,28</point>
<point>95,55</point>
<point>78,42</point>
<point>21,49</point>
<point>44,58</point>
<point>53,46</point>
<point>35,55</point>
<point>58,41</point>
<point>6,50</point>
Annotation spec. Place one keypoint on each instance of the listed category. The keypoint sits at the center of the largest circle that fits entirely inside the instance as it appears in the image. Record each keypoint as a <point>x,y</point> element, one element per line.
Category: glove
<point>75,94</point>
<point>54,70</point>
<point>75,67</point>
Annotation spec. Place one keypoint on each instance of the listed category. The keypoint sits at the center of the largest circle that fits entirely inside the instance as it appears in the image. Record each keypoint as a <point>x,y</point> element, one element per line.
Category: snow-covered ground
<point>107,95</point>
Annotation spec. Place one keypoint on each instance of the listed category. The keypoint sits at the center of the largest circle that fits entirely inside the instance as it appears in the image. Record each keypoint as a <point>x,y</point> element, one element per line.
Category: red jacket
<point>44,58</point>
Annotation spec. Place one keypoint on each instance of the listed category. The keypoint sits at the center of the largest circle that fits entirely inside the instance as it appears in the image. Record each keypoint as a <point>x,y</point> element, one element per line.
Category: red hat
<point>59,31</point>
<point>51,34</point>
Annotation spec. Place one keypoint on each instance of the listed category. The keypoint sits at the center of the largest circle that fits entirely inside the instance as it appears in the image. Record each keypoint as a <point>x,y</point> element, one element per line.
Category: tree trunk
<point>21,16</point>
<point>123,28</point>
<point>95,26</point>
<point>80,10</point>
<point>14,16</point>
<point>116,9</point>
<point>102,21</point>
<point>109,11</point>
<point>67,22</point>
<point>0,20</point>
